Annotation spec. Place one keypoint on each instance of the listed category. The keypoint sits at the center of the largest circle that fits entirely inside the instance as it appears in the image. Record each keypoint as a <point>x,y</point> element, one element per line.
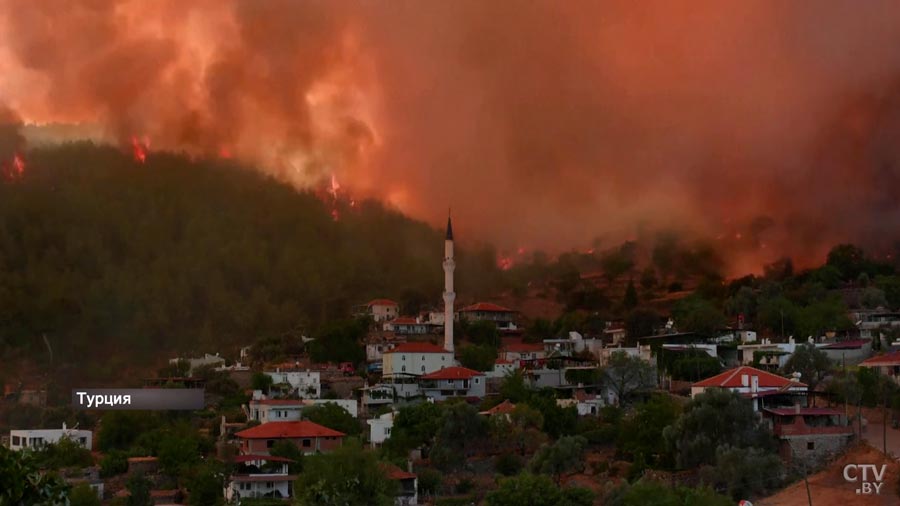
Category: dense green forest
<point>110,258</point>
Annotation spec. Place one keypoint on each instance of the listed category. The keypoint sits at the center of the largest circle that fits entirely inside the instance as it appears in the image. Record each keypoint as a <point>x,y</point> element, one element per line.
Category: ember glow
<point>139,149</point>
<point>18,165</point>
<point>549,124</point>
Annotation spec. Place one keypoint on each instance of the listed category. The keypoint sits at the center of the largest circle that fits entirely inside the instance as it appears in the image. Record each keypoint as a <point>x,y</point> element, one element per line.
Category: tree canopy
<point>715,418</point>
<point>349,476</point>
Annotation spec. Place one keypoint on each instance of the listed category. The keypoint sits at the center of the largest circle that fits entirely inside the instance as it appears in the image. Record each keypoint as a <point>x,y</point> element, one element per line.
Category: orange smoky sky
<point>541,123</point>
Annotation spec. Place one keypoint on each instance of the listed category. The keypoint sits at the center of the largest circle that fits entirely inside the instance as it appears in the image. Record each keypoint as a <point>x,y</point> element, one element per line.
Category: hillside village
<point>472,403</point>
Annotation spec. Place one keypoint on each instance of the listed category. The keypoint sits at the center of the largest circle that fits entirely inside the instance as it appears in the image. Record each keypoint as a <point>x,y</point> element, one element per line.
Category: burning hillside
<point>770,126</point>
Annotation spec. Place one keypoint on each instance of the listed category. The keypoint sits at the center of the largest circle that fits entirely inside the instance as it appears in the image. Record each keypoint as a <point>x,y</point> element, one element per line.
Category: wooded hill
<point>112,259</point>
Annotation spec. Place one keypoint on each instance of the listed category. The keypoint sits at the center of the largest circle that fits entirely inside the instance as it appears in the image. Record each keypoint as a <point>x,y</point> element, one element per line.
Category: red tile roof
<point>500,361</point>
<point>417,348</point>
<point>582,396</point>
<point>488,307</point>
<point>732,379</point>
<point>253,458</point>
<point>404,320</point>
<point>500,409</point>
<point>452,373</point>
<point>381,302</point>
<point>277,430</point>
<point>853,344</point>
<point>892,358</point>
<point>395,473</point>
<point>805,411</point>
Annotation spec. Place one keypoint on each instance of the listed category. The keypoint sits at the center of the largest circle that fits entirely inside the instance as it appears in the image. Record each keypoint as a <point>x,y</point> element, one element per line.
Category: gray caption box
<point>140,398</point>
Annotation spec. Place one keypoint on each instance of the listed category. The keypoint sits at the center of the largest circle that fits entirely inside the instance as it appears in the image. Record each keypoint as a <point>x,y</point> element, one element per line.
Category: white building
<point>453,382</point>
<point>406,325</point>
<point>750,382</point>
<point>772,355</point>
<point>586,404</point>
<point>380,428</point>
<point>575,343</point>
<point>415,359</point>
<point>260,476</point>
<point>289,410</point>
<point>504,318</point>
<point>194,363</point>
<point>382,310</point>
<point>516,353</point>
<point>502,368</point>
<point>644,352</point>
<point>37,438</point>
<point>307,384</point>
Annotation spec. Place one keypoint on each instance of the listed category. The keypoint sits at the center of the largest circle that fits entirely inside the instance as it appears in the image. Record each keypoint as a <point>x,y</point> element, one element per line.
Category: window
<point>270,484</point>
<point>403,358</point>
<point>403,369</point>
<point>307,443</point>
<point>15,440</point>
<point>476,381</point>
<point>423,368</point>
<point>810,445</point>
<point>270,443</point>
<point>387,431</point>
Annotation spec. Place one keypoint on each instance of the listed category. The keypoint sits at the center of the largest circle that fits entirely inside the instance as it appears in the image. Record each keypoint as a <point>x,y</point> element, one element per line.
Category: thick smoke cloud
<point>769,125</point>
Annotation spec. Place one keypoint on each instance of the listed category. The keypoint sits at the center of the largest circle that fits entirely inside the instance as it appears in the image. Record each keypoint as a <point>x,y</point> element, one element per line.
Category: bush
<point>464,486</point>
<point>508,464</point>
<point>113,463</point>
<point>83,495</point>
<point>429,482</point>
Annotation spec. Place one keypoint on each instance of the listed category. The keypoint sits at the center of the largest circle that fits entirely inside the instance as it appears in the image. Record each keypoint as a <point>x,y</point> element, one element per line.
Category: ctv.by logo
<point>869,476</point>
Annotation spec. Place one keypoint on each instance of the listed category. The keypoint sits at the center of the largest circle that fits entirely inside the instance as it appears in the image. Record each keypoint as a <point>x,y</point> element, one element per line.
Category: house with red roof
<point>502,368</point>
<point>752,383</point>
<point>408,489</point>
<point>415,359</point>
<point>260,476</point>
<point>887,364</point>
<point>811,435</point>
<point>453,382</point>
<point>287,410</point>
<point>380,310</point>
<point>503,409</point>
<point>309,437</point>
<point>503,317</point>
<point>407,325</point>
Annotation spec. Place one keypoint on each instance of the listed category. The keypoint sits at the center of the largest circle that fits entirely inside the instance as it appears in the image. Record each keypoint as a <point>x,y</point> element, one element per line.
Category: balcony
<point>801,429</point>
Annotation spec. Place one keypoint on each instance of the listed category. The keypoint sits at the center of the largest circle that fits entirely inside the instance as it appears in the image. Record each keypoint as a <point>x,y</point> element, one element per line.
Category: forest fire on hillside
<point>602,119</point>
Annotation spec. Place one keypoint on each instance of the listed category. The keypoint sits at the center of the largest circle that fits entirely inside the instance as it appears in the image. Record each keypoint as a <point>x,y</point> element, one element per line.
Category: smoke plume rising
<point>772,126</point>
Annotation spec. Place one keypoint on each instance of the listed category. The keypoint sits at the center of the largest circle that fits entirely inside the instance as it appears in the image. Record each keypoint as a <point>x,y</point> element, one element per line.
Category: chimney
<point>745,380</point>
<point>797,407</point>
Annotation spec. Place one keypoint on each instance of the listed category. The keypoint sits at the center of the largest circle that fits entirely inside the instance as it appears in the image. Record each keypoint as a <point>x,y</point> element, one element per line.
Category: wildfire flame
<point>333,190</point>
<point>506,262</point>
<point>139,148</point>
<point>18,165</point>
<point>13,169</point>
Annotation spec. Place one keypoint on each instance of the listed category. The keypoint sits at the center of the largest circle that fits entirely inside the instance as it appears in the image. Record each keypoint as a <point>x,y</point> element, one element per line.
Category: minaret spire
<point>449,294</point>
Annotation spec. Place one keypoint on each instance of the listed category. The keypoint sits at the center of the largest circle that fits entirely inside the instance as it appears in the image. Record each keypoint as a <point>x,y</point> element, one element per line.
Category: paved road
<point>874,434</point>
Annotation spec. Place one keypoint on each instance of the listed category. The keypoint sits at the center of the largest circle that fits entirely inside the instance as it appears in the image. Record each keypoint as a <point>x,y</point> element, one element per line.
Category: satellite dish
<point>745,503</point>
